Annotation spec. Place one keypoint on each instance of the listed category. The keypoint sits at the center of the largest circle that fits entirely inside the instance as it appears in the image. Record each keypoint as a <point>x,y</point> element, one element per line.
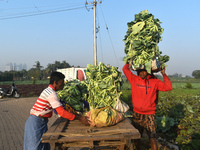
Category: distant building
<point>10,66</point>
<point>24,67</point>
<point>14,67</point>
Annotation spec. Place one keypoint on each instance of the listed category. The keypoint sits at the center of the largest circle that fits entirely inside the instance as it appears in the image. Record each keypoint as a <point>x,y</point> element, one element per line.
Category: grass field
<point>24,82</point>
<point>176,84</point>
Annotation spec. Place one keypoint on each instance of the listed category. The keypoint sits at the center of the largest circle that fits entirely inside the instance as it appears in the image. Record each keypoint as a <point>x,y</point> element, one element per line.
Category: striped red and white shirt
<point>47,101</point>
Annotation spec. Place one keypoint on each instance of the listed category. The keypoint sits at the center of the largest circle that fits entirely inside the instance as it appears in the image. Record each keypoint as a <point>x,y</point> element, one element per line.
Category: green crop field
<point>177,114</point>
<point>25,82</point>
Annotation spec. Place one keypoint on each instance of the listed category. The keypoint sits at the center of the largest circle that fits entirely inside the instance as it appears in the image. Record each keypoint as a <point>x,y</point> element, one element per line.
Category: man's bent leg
<point>151,131</point>
<point>153,143</point>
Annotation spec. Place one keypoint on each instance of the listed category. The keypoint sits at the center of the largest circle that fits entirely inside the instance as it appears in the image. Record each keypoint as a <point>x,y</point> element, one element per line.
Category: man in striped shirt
<point>36,124</point>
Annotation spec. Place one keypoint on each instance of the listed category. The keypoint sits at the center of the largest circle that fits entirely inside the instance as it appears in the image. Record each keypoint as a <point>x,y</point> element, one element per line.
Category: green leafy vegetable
<point>103,85</point>
<point>141,41</point>
<point>72,94</point>
<point>164,123</point>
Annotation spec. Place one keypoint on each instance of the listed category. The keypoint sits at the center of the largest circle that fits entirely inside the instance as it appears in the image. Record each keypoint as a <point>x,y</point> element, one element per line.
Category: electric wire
<point>34,11</point>
<point>99,32</point>
<point>39,12</point>
<point>57,8</point>
<point>46,6</point>
<point>110,37</point>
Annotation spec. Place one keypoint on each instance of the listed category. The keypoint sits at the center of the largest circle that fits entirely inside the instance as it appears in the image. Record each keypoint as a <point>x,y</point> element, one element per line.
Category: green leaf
<point>137,27</point>
<point>148,67</point>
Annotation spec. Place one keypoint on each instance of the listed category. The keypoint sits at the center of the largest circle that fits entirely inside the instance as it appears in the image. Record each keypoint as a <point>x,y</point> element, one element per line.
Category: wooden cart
<point>64,134</point>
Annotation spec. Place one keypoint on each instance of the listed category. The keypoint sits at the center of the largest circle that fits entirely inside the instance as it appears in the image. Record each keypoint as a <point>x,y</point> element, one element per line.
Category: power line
<point>110,37</point>
<point>99,32</point>
<point>38,10</point>
<point>32,7</point>
<point>29,14</point>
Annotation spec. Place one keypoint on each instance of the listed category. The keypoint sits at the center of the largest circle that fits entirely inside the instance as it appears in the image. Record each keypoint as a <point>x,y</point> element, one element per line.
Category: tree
<point>196,74</point>
<point>31,72</point>
<point>176,75</point>
<point>24,73</point>
<point>7,76</point>
<point>64,64</point>
<point>38,73</point>
<point>57,65</point>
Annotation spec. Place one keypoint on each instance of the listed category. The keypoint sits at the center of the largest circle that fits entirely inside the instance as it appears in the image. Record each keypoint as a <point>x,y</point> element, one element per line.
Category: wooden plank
<point>127,125</point>
<point>93,138</point>
<point>94,133</point>
<point>90,143</point>
<point>87,144</point>
<point>51,129</point>
<point>109,143</point>
<point>76,144</point>
<point>57,126</point>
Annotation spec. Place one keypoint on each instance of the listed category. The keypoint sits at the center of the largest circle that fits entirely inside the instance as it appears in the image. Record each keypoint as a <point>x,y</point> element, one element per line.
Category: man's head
<point>142,73</point>
<point>57,80</point>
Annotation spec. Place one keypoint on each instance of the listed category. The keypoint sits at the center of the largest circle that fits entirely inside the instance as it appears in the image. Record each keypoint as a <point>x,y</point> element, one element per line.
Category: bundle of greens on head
<point>141,42</point>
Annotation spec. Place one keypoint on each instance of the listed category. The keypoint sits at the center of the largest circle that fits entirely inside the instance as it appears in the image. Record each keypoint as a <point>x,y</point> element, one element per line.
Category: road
<point>13,115</point>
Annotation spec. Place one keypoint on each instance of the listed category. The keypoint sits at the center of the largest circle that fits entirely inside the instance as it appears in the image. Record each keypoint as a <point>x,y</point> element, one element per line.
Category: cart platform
<point>64,134</point>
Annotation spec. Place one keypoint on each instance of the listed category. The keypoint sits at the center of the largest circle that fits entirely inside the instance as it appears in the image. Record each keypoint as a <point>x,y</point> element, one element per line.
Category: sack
<point>153,65</point>
<point>121,106</point>
<point>103,117</point>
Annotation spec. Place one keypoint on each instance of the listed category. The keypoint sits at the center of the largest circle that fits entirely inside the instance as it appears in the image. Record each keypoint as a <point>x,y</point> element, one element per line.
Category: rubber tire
<point>1,95</point>
<point>17,95</point>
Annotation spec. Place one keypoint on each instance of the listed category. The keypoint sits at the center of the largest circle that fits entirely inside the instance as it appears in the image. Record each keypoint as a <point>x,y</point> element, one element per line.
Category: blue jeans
<point>35,127</point>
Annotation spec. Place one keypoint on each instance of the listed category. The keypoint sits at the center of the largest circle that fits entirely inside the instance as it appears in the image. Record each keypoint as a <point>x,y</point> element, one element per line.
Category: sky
<point>62,30</point>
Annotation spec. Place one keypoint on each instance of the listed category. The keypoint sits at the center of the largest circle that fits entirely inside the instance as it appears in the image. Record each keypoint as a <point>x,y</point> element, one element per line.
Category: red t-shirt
<point>144,91</point>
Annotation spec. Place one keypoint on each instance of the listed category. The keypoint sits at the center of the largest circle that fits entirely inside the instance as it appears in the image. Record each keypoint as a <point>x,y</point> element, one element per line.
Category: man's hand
<point>83,119</point>
<point>130,63</point>
<point>163,71</point>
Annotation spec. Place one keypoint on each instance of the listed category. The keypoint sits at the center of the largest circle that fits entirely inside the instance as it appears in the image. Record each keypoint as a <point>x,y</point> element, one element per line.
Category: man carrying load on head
<point>144,89</point>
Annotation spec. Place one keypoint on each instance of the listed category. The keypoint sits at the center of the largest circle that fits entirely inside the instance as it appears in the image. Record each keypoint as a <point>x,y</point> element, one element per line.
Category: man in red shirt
<point>144,89</point>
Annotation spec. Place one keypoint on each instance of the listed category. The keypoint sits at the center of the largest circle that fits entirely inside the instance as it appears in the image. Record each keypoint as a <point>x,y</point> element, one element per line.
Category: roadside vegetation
<point>178,121</point>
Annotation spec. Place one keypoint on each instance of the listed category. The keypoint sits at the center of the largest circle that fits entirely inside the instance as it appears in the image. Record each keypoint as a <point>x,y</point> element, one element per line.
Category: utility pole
<point>95,38</point>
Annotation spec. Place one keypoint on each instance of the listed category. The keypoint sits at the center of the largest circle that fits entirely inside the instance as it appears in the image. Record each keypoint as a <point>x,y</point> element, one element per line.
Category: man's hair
<point>56,76</point>
<point>140,70</point>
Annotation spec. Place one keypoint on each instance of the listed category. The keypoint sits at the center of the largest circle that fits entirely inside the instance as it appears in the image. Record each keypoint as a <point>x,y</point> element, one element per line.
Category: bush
<point>185,129</point>
<point>188,85</point>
